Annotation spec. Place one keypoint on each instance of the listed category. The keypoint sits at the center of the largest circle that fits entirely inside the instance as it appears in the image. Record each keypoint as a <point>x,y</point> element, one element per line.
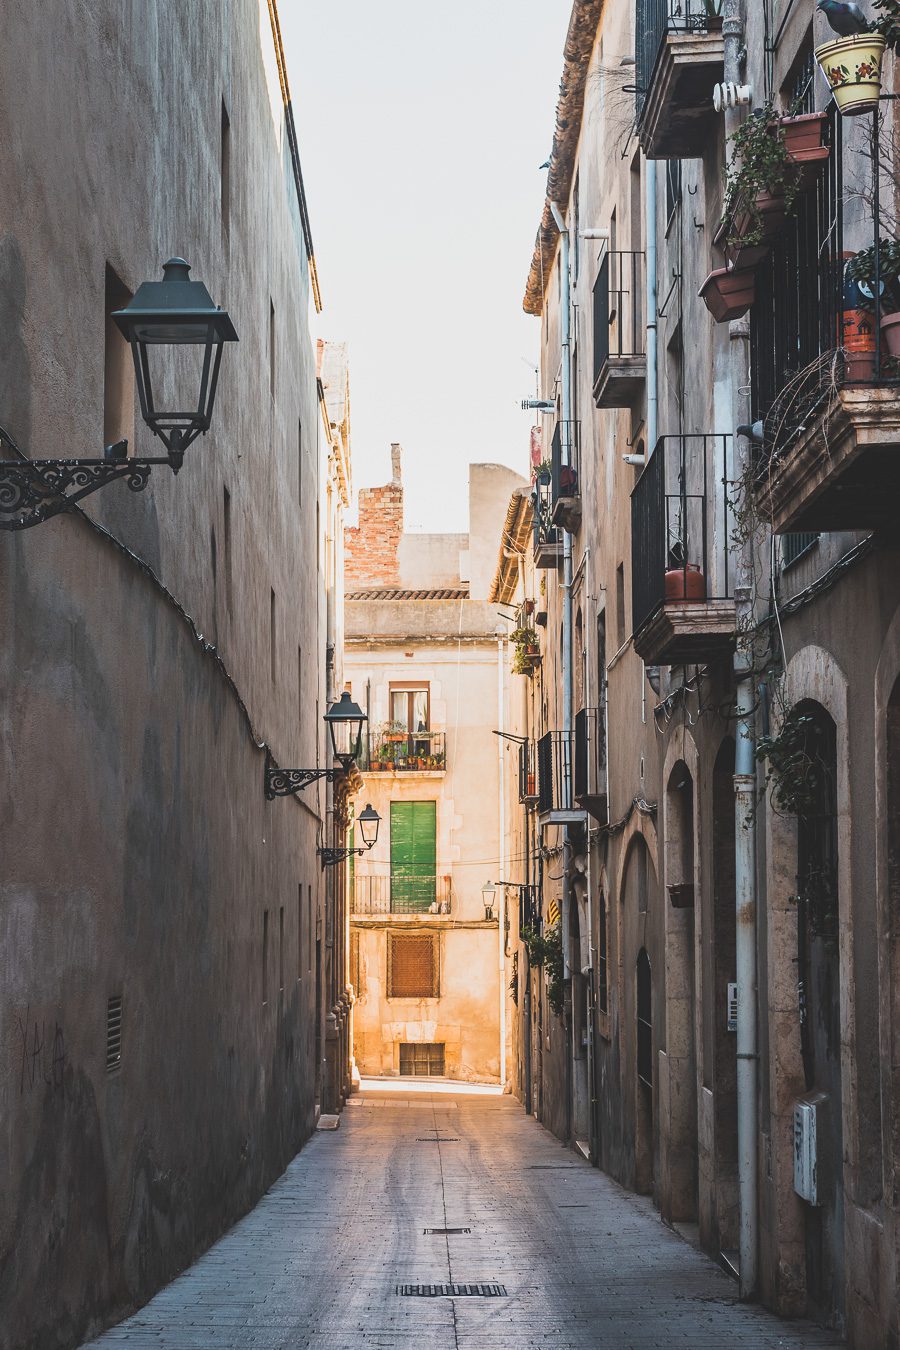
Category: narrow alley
<point>327,1256</point>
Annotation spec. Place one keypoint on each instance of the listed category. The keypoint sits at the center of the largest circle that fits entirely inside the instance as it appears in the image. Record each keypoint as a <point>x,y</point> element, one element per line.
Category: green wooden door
<point>413,856</point>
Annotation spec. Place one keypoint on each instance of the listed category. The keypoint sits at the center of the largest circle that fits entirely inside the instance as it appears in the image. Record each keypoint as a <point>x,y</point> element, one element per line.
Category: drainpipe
<point>501,910</point>
<point>652,301</point>
<point>744,778</point>
<point>565,342</point>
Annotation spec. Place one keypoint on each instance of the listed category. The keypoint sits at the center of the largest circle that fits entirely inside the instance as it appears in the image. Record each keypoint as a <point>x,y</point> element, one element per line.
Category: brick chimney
<point>371,548</point>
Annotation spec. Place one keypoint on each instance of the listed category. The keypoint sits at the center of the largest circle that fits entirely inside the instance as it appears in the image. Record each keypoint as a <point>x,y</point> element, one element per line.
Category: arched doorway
<point>678,1086</point>
<point>818,967</point>
<point>644,1041</point>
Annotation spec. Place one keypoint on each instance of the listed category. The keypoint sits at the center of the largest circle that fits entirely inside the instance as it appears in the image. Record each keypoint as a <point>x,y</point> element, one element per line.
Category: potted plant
<point>859,295</point>
<point>728,292</point>
<point>852,67</point>
<point>541,473</point>
<point>395,731</point>
<point>761,184</point>
<point>713,15</point>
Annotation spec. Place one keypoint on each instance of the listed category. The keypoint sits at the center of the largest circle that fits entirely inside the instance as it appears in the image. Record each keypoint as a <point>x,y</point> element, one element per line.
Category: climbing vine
<point>545,950</point>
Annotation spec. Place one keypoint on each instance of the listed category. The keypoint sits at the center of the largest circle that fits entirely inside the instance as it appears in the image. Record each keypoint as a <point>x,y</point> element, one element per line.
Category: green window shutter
<point>413,856</point>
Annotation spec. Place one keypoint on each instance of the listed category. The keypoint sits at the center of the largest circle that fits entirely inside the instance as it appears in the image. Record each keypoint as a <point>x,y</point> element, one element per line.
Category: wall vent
<point>113,1033</point>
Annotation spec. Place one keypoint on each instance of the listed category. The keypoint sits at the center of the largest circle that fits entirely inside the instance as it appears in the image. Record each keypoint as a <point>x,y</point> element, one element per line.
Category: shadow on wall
<point>15,367</point>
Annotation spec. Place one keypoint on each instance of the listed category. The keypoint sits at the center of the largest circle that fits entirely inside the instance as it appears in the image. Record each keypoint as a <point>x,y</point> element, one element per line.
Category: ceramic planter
<point>890,334</point>
<point>738,255</point>
<point>859,345</point>
<point>852,67</point>
<point>728,292</point>
<point>804,138</point>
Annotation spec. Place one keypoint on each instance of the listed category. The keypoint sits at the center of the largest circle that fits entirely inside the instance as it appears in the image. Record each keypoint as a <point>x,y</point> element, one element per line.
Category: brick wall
<point>371,548</point>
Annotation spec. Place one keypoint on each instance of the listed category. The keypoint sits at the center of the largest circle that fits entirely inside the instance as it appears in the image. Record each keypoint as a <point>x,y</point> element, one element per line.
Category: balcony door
<point>413,856</point>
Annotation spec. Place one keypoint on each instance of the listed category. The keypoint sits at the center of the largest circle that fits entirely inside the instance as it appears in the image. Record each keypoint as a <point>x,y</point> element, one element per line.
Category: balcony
<point>548,547</point>
<point>680,59</point>
<point>823,381</point>
<point>620,363</point>
<point>556,800</point>
<point>409,752</point>
<point>590,789</point>
<point>528,780</point>
<point>682,598</point>
<point>566,495</point>
<point>373,896</point>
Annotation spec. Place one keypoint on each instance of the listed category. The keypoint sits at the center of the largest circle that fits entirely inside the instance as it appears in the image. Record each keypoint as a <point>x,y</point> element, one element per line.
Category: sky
<point>422,127</point>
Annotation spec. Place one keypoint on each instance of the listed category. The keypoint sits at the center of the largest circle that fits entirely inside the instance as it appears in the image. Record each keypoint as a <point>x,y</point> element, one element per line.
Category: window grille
<point>793,546</point>
<point>413,965</point>
<point>421,1061</point>
<point>113,1033</point>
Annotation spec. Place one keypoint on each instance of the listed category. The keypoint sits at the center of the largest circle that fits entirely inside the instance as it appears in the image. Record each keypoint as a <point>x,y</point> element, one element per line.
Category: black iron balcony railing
<point>400,893</point>
<point>547,537</point>
<point>812,329</point>
<point>406,752</point>
<point>680,529</point>
<point>589,776</point>
<point>654,21</point>
<point>619,319</point>
<point>530,908</point>
<point>528,777</point>
<point>564,460</point>
<point>554,757</point>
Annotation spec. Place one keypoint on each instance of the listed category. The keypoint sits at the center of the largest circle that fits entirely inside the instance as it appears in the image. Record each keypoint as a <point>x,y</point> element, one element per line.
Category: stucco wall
<point>139,853</point>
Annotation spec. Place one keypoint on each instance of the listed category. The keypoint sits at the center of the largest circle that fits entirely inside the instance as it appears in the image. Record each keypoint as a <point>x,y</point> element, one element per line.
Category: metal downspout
<point>501,908</point>
<point>744,778</point>
<point>652,303</point>
<point>565,342</point>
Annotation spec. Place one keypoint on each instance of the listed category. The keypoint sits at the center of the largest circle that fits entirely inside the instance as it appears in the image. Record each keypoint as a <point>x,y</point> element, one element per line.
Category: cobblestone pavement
<point>319,1260</point>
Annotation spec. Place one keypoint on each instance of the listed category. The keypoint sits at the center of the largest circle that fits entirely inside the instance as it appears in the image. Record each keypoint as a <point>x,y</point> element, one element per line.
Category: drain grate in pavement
<point>446,1230</point>
<point>553,1167</point>
<point>452,1290</point>
<point>436,1139</point>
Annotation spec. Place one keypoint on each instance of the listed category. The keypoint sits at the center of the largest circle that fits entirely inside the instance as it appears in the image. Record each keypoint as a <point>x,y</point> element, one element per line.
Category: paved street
<point>320,1260</point>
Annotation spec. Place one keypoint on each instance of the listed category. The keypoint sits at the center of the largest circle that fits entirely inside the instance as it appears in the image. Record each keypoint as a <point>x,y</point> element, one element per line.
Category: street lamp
<point>344,720</point>
<point>368,822</point>
<point>488,894</point>
<point>174,312</point>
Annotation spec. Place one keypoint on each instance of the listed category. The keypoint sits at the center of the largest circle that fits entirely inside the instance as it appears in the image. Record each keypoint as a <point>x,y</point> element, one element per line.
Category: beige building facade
<point>711,711</point>
<point>426,658</point>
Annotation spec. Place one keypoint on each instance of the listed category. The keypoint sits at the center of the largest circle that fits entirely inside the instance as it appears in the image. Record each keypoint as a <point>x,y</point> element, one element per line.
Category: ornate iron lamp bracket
<point>331,856</point>
<point>35,490</point>
<point>286,782</point>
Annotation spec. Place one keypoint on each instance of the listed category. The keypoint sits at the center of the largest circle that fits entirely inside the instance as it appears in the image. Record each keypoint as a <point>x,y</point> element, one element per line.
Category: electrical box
<point>732,1006</point>
<point>810,1146</point>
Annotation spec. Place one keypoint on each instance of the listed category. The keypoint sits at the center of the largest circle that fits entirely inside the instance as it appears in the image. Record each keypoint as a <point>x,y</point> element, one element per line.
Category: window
<point>226,539</point>
<point>225,172</point>
<point>421,1061</point>
<point>273,637</point>
<point>118,368</point>
<point>413,847</point>
<point>114,1033</point>
<point>673,187</point>
<point>620,604</point>
<point>281,949</point>
<point>413,965</point>
<point>411,707</point>
<point>300,931</point>
<point>272,348</point>
<point>299,463</point>
<point>644,1020</point>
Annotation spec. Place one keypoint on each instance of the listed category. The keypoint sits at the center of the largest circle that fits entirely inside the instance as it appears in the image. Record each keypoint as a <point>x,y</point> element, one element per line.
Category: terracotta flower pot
<point>852,67</point>
<point>740,256</point>
<point>890,334</point>
<point>804,138</point>
<point>728,292</point>
<point>685,584</point>
<point>858,342</point>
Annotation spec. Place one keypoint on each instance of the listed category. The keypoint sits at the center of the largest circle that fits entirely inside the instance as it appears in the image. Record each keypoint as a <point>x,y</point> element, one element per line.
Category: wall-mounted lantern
<point>174,312</point>
<point>344,720</point>
<point>488,895</point>
<point>368,822</point>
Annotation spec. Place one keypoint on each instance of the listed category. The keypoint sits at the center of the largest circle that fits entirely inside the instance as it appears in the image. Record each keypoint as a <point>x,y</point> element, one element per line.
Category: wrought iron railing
<point>810,330</point>
<point>564,460</point>
<point>619,324</point>
<point>654,21</point>
<point>546,534</point>
<point>400,893</point>
<point>528,777</point>
<point>681,530</point>
<point>589,775</point>
<point>406,752</point>
<point>554,758</point>
<point>530,908</point>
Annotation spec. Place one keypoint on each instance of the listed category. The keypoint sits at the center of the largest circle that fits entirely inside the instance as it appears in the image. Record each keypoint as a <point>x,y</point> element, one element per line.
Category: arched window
<point>602,955</point>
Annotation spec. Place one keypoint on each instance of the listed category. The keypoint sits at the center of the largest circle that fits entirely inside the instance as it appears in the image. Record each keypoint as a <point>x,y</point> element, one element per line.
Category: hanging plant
<point>545,950</point>
<point>888,24</point>
<point>791,772</point>
<point>760,179</point>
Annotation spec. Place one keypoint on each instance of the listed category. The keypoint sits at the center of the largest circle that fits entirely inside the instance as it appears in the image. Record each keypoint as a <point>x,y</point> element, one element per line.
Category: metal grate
<point>426,1231</point>
<point>437,1139</point>
<point>113,1033</point>
<point>413,967</point>
<point>452,1290</point>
